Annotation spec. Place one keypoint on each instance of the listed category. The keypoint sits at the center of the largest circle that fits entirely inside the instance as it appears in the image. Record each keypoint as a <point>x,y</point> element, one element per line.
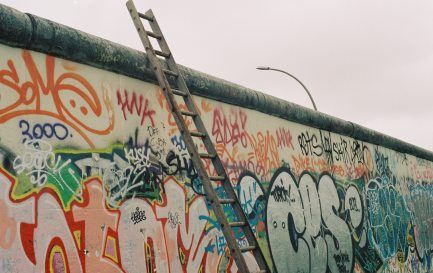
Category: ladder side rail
<point>214,200</point>
<point>162,80</point>
<point>181,85</point>
<point>198,163</point>
<point>207,184</point>
<point>227,231</point>
<point>238,210</point>
<point>228,187</point>
<point>171,63</point>
<point>215,203</point>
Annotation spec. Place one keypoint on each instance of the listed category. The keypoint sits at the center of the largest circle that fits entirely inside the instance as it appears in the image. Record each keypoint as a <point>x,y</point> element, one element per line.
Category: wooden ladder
<point>156,58</point>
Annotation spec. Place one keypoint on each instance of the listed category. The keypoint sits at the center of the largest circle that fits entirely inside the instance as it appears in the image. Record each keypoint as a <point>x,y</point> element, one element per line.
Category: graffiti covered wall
<point>95,177</point>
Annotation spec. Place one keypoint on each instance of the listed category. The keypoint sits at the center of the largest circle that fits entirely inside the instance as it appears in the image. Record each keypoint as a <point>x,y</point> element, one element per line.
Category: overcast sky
<point>366,61</point>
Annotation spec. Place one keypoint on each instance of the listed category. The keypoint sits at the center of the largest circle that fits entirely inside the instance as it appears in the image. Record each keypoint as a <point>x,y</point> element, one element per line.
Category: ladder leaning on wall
<point>200,132</point>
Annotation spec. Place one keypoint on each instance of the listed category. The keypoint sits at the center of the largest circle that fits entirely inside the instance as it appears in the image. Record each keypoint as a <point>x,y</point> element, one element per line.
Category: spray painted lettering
<point>72,95</point>
<point>133,105</point>
<point>308,215</point>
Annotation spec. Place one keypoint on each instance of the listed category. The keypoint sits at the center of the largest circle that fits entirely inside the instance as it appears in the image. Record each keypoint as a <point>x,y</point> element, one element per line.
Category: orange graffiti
<point>265,151</point>
<point>317,165</point>
<point>357,170</point>
<point>74,98</point>
<point>206,105</point>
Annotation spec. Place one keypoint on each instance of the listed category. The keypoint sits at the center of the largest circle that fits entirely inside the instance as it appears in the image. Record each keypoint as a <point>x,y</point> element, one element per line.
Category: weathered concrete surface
<point>95,175</point>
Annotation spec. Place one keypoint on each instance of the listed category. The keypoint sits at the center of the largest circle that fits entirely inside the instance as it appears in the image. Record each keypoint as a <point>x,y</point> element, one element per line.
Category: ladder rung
<point>146,17</point>
<point>206,155</point>
<point>188,113</point>
<point>237,224</point>
<point>154,35</point>
<point>216,178</point>
<point>247,248</point>
<point>169,72</point>
<point>197,134</point>
<point>179,93</point>
<point>162,54</point>
<point>227,201</point>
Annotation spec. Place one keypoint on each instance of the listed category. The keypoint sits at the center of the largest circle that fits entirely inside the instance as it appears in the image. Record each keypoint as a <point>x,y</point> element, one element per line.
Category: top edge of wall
<point>31,32</point>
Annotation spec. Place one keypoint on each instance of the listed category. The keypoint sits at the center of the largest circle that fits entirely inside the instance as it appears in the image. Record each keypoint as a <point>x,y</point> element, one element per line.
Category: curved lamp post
<point>287,73</point>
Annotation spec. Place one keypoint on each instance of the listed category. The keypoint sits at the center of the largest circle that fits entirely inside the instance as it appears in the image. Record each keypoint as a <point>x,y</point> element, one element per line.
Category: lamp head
<point>262,67</point>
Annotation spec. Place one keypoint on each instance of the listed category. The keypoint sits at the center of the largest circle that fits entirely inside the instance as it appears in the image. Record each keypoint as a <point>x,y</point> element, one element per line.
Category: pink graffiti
<point>230,128</point>
<point>284,138</point>
<point>133,105</point>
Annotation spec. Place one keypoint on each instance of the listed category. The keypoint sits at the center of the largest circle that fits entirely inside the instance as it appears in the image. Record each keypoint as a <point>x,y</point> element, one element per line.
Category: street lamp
<point>287,73</point>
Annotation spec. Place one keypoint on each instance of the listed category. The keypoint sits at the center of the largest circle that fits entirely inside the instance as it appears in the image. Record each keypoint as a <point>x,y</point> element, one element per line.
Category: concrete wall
<point>95,176</point>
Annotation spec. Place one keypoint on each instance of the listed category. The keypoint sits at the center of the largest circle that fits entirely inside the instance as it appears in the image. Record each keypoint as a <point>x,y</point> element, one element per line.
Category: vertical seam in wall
<point>352,131</point>
<point>32,34</point>
<point>53,39</point>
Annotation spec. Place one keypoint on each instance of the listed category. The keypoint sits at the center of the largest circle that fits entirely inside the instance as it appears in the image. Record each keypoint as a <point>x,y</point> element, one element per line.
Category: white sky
<point>366,61</point>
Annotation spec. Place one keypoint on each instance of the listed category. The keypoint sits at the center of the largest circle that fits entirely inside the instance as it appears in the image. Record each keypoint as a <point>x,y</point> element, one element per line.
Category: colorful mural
<point>95,177</point>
